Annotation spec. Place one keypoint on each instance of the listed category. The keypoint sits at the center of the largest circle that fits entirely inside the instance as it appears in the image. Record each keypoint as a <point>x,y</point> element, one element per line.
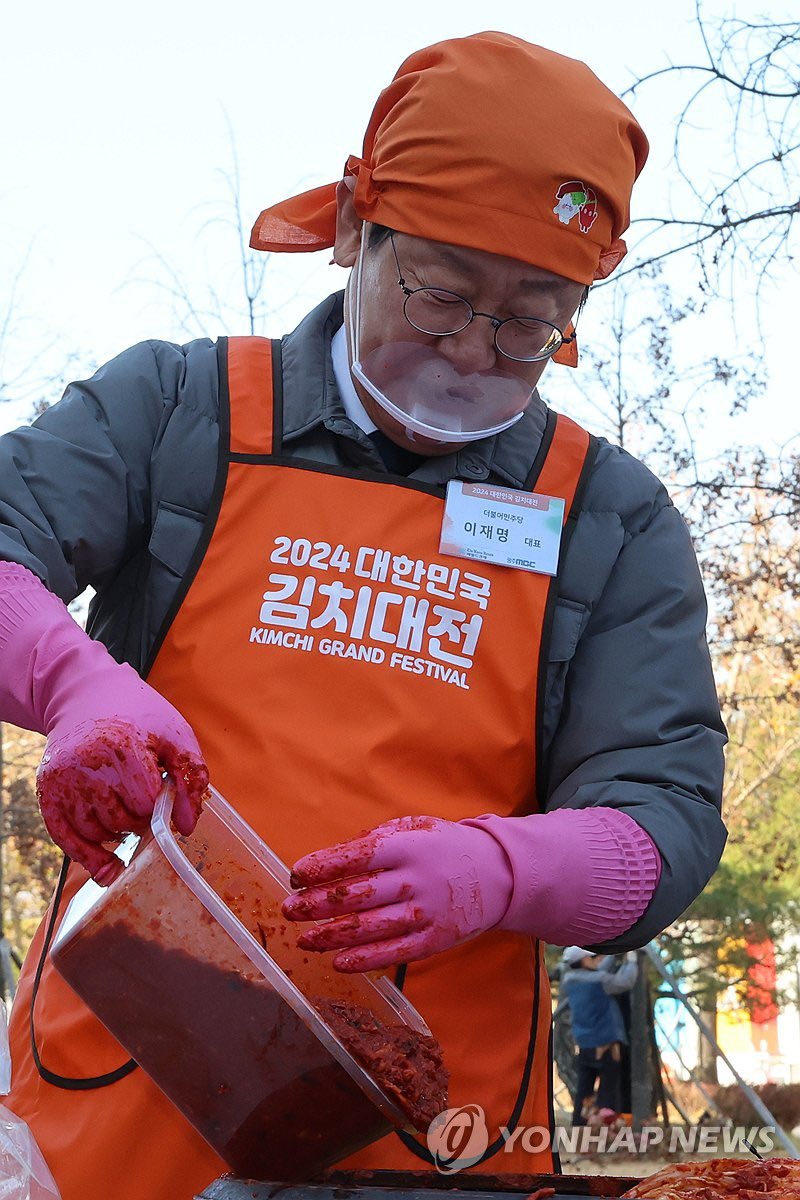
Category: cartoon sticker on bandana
<point>575,198</point>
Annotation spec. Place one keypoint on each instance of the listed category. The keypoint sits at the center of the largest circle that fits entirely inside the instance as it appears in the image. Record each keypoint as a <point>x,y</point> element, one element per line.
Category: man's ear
<point>348,225</point>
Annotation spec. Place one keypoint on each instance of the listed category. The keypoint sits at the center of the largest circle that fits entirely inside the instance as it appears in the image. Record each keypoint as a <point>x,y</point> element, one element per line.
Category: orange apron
<point>338,671</point>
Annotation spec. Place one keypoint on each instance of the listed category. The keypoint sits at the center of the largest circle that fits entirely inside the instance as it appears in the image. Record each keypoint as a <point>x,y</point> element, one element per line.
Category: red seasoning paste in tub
<point>405,1064</point>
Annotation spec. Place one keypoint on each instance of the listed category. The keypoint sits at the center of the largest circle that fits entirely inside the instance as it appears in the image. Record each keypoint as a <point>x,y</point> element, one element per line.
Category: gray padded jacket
<point>110,488</point>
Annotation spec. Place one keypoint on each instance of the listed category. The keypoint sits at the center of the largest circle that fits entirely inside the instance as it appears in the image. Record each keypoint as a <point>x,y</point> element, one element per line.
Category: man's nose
<point>472,349</point>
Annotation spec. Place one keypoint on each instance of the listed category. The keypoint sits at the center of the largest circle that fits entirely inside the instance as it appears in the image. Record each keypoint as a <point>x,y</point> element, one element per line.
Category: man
<point>537,756</point>
<point>591,986</point>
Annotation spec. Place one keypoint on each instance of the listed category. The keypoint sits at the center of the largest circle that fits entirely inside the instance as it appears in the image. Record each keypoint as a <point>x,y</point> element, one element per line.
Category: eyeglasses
<point>440,313</point>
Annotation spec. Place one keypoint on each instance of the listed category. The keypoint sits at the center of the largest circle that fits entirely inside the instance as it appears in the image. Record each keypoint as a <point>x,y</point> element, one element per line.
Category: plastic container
<point>188,962</point>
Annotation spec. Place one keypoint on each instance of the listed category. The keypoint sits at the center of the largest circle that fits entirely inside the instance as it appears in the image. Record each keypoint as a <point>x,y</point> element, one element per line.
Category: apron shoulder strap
<point>566,450</point>
<point>562,468</point>
<point>253,368</point>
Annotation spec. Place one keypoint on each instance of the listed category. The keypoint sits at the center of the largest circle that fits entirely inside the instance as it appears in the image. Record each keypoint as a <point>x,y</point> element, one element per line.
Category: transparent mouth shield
<point>421,388</point>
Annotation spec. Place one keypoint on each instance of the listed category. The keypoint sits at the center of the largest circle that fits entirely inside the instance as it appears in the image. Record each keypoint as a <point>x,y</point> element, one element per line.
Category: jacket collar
<point>311,398</point>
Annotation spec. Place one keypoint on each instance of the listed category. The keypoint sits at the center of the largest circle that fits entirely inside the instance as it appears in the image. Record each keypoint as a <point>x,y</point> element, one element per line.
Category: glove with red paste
<point>416,886</point>
<point>109,734</point>
<point>421,885</point>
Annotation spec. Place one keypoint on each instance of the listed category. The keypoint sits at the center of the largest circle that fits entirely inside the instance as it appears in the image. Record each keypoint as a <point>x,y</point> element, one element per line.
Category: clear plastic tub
<point>188,962</point>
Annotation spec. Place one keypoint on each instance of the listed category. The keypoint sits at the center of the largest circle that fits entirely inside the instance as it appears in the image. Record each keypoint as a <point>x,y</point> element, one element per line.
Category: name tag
<point>502,525</point>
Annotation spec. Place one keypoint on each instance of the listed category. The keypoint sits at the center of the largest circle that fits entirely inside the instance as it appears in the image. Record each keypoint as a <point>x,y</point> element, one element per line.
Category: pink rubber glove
<point>423,885</point>
<point>418,885</point>
<point>109,734</point>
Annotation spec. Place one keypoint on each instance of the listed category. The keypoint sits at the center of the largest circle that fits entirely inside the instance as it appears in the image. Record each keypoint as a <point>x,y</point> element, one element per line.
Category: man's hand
<point>110,736</point>
<point>409,888</point>
<point>100,779</point>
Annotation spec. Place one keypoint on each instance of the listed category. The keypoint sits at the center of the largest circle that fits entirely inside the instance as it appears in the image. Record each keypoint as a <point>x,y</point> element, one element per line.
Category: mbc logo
<point>458,1138</point>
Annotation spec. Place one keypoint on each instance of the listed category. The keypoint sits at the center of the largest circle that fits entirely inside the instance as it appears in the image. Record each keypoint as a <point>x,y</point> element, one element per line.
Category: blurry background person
<point>591,986</point>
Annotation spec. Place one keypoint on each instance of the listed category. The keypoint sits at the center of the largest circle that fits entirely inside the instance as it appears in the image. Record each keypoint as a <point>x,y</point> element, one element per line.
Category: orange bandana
<point>489,142</point>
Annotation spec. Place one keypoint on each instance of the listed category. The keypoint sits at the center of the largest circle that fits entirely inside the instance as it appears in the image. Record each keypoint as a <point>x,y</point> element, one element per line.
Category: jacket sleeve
<point>74,486</point>
<point>640,728</point>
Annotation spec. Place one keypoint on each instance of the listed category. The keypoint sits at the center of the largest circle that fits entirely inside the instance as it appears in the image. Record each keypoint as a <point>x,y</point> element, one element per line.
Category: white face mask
<point>424,392</point>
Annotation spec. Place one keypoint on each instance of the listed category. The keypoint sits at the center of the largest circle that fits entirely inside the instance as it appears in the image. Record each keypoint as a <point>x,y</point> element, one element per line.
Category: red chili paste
<point>407,1065</point>
<point>240,1064</point>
